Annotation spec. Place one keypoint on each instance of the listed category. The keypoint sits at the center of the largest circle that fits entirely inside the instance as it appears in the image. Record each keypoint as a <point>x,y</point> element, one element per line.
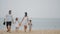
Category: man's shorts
<point>8,24</point>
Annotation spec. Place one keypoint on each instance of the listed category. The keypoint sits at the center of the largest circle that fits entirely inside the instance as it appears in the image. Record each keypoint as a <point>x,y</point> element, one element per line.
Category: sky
<point>34,8</point>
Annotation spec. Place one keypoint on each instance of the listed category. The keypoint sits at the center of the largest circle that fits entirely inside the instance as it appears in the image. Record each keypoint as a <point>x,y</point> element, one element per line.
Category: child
<point>17,24</point>
<point>30,25</point>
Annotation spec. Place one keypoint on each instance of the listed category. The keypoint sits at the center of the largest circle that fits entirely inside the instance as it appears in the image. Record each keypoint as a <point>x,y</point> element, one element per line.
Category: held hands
<point>20,24</point>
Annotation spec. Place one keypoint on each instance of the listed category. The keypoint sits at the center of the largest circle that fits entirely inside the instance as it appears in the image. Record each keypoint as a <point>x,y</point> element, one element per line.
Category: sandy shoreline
<point>32,32</point>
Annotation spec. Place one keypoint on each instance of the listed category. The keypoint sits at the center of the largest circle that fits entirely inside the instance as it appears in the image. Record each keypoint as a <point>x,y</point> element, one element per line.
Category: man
<point>9,20</point>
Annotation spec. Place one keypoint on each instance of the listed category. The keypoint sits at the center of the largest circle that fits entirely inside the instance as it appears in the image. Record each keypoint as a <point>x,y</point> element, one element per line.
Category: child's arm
<point>28,23</point>
<point>20,24</point>
<point>31,23</point>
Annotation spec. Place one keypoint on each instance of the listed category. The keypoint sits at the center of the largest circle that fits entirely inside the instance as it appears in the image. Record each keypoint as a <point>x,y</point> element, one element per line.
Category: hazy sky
<point>35,8</point>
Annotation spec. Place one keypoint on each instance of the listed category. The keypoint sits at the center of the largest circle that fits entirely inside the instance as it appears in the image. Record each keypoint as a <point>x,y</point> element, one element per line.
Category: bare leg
<point>9,28</point>
<point>17,29</point>
<point>25,28</point>
<point>29,28</point>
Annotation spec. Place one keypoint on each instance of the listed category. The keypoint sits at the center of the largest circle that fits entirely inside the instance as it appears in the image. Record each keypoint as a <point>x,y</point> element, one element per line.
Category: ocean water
<point>38,23</point>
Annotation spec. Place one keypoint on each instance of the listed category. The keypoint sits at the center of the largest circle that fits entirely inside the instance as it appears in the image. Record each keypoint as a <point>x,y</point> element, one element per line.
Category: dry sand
<point>32,32</point>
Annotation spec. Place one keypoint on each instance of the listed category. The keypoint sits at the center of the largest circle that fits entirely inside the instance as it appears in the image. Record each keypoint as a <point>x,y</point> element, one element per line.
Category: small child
<point>30,25</point>
<point>17,24</point>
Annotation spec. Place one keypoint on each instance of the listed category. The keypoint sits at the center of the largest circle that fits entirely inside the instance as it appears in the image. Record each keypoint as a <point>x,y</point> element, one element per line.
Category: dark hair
<point>30,20</point>
<point>25,14</point>
<point>16,18</point>
<point>9,11</point>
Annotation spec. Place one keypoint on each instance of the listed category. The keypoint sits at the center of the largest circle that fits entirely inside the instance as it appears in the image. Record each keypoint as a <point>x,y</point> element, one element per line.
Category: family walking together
<point>8,20</point>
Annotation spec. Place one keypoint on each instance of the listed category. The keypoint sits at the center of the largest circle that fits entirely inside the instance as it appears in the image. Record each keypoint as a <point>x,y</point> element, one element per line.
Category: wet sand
<point>32,32</point>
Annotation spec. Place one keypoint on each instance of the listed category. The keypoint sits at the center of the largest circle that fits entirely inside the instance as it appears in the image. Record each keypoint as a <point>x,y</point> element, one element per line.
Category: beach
<point>40,26</point>
<point>32,32</point>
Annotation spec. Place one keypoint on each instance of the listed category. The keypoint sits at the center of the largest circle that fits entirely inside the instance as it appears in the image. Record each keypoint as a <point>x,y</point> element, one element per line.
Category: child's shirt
<point>30,24</point>
<point>16,23</point>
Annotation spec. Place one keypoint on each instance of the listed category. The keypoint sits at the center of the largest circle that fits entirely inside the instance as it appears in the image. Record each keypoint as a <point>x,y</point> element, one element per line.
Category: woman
<point>25,21</point>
